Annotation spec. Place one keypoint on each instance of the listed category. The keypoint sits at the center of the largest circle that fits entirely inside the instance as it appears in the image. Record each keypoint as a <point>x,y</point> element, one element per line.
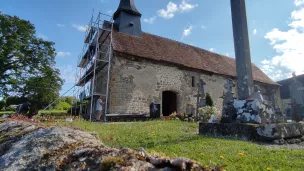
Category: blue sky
<point>276,28</point>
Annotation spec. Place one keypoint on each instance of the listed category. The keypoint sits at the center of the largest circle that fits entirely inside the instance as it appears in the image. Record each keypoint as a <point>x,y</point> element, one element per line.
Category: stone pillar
<point>242,49</point>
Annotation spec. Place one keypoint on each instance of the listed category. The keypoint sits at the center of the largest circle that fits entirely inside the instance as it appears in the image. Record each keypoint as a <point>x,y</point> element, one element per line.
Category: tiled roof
<point>163,49</point>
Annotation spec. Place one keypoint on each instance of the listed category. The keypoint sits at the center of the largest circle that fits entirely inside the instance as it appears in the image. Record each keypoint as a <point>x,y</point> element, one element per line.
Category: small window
<point>193,81</point>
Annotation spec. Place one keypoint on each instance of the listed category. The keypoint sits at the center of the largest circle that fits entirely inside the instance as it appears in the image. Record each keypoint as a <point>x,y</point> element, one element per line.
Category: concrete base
<point>268,132</point>
<point>126,117</point>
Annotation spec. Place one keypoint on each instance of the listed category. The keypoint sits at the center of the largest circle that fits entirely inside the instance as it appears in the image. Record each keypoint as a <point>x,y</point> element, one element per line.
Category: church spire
<point>127,6</point>
<point>127,18</point>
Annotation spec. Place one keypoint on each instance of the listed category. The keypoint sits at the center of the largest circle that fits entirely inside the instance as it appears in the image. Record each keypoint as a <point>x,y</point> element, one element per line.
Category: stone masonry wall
<point>136,83</point>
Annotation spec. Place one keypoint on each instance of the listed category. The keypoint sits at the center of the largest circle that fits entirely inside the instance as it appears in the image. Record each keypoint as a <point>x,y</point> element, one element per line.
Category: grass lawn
<point>180,139</point>
<point>43,113</point>
<point>53,112</point>
<point>5,112</point>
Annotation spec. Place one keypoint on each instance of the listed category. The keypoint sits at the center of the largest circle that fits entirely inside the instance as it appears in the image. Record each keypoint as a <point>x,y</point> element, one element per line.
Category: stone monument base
<point>255,112</point>
<point>254,132</point>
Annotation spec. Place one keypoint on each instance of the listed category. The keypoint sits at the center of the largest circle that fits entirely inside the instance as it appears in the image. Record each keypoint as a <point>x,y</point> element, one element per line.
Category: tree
<point>27,63</point>
<point>2,104</point>
<point>69,99</point>
<point>209,101</point>
<point>42,90</point>
<point>22,54</point>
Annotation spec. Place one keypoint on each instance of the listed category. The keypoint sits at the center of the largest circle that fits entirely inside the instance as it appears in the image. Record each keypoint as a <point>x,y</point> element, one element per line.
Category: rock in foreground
<point>24,146</point>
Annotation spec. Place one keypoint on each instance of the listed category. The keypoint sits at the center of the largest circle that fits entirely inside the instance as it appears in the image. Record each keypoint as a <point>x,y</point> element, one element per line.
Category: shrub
<point>11,108</point>
<point>62,106</point>
<point>2,105</point>
<point>209,101</point>
<point>180,116</point>
<point>205,113</point>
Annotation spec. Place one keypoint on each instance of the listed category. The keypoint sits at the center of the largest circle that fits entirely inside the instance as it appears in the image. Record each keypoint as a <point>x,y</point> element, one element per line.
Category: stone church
<point>147,69</point>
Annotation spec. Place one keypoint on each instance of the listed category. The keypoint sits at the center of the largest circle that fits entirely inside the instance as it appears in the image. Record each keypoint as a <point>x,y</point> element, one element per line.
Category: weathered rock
<point>279,142</point>
<point>255,111</point>
<point>237,130</point>
<point>256,132</point>
<point>24,146</point>
<point>279,131</point>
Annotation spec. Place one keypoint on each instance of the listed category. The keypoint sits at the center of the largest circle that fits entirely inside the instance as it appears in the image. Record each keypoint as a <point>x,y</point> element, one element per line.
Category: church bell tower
<point>127,18</point>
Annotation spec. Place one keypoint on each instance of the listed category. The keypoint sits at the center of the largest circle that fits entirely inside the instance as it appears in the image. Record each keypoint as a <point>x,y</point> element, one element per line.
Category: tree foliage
<point>2,104</point>
<point>27,63</point>
<point>209,101</point>
<point>62,106</point>
<point>22,54</point>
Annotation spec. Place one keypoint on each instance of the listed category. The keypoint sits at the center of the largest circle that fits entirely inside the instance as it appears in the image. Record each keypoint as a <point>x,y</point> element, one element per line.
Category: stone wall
<point>136,83</point>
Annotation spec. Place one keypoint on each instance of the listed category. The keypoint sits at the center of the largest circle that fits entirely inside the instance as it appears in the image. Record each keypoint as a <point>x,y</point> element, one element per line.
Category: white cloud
<point>41,36</point>
<point>173,8</point>
<point>68,73</point>
<point>60,25</point>
<point>227,54</point>
<point>80,27</point>
<point>186,7</point>
<point>150,20</point>
<point>204,27</point>
<point>288,46</point>
<point>265,62</point>
<point>299,2</point>
<point>187,31</point>
<point>169,12</point>
<point>255,31</point>
<point>110,11</point>
<point>212,49</point>
<point>64,54</point>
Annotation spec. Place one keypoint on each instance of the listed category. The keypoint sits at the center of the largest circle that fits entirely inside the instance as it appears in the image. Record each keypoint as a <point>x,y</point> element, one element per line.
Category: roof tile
<point>163,49</point>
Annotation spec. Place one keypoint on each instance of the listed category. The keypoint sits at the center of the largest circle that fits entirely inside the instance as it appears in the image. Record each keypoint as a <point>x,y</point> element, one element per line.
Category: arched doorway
<point>169,103</point>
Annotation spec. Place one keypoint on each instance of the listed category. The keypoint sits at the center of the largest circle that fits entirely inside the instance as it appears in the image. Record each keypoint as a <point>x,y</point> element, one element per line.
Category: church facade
<point>147,69</point>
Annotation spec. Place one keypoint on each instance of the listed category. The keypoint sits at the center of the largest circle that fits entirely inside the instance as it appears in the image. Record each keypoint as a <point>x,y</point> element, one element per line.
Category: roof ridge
<point>188,45</point>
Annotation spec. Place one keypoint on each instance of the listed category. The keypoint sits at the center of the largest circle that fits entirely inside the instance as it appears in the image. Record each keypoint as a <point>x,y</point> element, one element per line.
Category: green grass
<point>180,139</point>
<point>53,112</point>
<point>6,112</point>
<point>42,113</point>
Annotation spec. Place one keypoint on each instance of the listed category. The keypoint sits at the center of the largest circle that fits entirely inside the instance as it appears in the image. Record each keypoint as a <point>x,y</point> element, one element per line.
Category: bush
<point>206,113</point>
<point>11,108</point>
<point>180,116</point>
<point>2,105</point>
<point>209,101</point>
<point>45,113</point>
<point>62,106</point>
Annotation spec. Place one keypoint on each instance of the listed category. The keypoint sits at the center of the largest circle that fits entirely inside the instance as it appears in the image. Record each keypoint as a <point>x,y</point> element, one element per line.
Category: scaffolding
<point>93,66</point>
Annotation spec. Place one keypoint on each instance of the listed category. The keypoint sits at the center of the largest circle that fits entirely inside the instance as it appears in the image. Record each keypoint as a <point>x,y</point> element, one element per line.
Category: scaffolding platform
<point>88,75</point>
<point>90,33</point>
<point>94,95</point>
<point>93,60</point>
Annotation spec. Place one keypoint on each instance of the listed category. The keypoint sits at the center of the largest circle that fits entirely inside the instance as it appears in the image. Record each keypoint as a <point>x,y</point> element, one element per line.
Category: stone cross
<point>257,94</point>
<point>202,102</point>
<point>228,113</point>
<point>229,93</point>
<point>270,93</point>
<point>200,97</point>
<point>242,49</point>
